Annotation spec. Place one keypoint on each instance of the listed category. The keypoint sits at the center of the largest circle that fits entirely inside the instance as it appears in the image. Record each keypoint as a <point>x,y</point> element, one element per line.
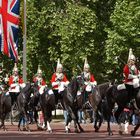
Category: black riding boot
<point>130,90</point>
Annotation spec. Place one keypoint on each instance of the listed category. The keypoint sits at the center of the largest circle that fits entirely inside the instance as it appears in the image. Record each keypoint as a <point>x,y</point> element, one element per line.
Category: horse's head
<point>34,89</point>
<point>77,83</point>
<point>80,81</point>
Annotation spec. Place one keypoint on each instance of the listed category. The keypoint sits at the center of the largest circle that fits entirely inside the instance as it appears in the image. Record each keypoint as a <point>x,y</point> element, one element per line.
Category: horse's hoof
<point>66,131</point>
<point>19,129</point>
<point>49,131</point>
<point>132,133</point>
<point>5,130</point>
<point>125,132</point>
<point>81,130</point>
<point>120,132</point>
<point>96,129</point>
<point>110,134</point>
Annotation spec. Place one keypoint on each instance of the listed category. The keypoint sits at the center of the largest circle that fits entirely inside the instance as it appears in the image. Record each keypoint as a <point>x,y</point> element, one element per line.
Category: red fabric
<point>9,15</point>
<point>54,77</point>
<point>126,72</point>
<point>43,83</point>
<point>92,79</point>
<point>126,110</point>
<point>20,80</point>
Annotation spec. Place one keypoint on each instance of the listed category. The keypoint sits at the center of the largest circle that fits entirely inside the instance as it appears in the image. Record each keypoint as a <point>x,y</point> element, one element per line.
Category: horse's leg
<point>48,119</point>
<point>20,119</point>
<point>2,122</point>
<point>117,114</point>
<point>126,127</point>
<point>36,117</point>
<point>96,117</point>
<point>133,132</point>
<point>67,124</point>
<point>3,116</point>
<point>73,117</point>
<point>109,128</point>
<point>26,119</point>
<point>76,115</point>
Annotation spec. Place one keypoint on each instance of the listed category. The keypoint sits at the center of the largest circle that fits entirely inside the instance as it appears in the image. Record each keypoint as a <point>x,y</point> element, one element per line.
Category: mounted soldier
<point>131,75</point>
<point>59,81</point>
<point>90,81</point>
<point>15,83</point>
<point>38,79</point>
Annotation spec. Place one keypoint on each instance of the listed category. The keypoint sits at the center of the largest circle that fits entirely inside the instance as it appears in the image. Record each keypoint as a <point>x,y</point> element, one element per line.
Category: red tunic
<point>41,82</point>
<point>11,80</point>
<point>92,79</point>
<point>54,79</point>
<point>127,71</point>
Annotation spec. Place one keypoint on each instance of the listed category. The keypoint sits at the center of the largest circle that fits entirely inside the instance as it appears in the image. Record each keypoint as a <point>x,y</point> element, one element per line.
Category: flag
<point>9,27</point>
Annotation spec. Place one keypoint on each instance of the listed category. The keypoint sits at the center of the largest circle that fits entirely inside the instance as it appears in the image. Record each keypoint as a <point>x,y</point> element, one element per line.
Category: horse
<point>47,102</point>
<point>122,99</point>
<point>73,101</point>
<point>102,111</point>
<point>44,102</point>
<point>5,107</point>
<point>137,108</point>
<point>22,103</point>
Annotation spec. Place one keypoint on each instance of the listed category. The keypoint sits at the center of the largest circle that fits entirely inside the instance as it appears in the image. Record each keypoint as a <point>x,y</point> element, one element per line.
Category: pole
<point>24,44</point>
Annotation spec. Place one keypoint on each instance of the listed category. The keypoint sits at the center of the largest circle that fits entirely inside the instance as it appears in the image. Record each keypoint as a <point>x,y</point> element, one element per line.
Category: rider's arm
<point>127,74</point>
<point>20,80</point>
<point>10,81</point>
<point>53,80</point>
<point>93,81</point>
<point>65,80</point>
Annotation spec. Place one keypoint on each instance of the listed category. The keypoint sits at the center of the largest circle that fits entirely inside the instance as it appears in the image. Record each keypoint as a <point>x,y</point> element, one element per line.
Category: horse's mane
<point>26,88</point>
<point>73,86</point>
<point>102,88</point>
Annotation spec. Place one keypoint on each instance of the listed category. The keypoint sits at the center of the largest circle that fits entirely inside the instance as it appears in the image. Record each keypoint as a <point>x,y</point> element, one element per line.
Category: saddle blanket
<point>121,87</point>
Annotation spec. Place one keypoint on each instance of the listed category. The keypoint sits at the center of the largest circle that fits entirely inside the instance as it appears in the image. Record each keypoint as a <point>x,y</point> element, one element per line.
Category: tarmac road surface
<point>59,133</point>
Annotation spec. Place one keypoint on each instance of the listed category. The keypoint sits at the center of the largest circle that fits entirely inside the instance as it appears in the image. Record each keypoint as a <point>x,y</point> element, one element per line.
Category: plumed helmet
<point>15,69</point>
<point>131,56</point>
<point>39,71</point>
<point>86,65</point>
<point>59,65</point>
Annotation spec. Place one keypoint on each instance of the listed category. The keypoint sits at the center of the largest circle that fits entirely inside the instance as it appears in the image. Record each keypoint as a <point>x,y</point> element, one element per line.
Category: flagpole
<point>24,44</point>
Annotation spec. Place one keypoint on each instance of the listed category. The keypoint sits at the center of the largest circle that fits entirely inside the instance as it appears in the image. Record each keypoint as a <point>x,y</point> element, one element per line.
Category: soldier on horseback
<point>15,83</point>
<point>40,81</point>
<point>59,81</point>
<point>131,74</point>
<point>90,81</point>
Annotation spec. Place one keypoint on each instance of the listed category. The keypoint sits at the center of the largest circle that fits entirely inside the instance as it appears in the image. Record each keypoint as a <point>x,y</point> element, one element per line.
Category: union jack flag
<point>9,21</point>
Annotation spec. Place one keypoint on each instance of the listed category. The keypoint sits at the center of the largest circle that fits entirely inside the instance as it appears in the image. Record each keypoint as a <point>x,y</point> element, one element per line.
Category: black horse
<point>47,102</point>
<point>22,103</point>
<point>43,102</point>
<point>5,107</point>
<point>103,111</point>
<point>73,101</point>
<point>113,95</point>
<point>137,98</point>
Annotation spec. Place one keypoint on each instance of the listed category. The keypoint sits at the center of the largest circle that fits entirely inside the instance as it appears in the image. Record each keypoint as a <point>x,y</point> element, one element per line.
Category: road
<point>59,133</point>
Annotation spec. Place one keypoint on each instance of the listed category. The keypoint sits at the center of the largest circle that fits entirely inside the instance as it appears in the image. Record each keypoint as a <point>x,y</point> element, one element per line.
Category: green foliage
<point>124,32</point>
<point>74,29</point>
